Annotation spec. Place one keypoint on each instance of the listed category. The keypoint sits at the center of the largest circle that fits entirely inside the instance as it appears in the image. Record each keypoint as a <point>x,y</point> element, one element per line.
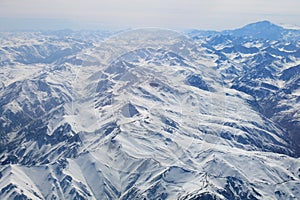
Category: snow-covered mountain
<point>150,114</point>
<point>267,69</point>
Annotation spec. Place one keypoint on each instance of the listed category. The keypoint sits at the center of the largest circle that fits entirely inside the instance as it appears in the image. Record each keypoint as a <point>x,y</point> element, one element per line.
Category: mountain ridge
<point>257,30</point>
<point>151,114</point>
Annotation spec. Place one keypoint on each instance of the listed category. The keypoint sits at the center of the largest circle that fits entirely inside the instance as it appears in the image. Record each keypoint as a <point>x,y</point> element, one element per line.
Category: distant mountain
<point>258,30</point>
<point>150,114</point>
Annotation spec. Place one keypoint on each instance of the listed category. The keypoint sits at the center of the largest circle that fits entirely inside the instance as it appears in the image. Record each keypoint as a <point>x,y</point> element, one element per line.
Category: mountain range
<point>150,114</point>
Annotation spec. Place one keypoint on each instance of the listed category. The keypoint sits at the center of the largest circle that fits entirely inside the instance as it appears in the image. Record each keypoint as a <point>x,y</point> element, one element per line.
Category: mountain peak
<point>262,24</point>
<point>260,30</point>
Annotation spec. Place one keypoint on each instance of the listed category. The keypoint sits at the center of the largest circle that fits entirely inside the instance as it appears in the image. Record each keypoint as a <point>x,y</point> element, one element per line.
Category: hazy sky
<point>208,14</point>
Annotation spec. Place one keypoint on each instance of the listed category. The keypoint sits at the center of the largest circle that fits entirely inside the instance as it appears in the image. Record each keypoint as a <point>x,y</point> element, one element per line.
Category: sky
<point>177,14</point>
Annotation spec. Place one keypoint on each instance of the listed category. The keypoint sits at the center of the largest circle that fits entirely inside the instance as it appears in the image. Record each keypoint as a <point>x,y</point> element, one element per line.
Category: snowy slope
<point>146,114</point>
<point>266,69</point>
